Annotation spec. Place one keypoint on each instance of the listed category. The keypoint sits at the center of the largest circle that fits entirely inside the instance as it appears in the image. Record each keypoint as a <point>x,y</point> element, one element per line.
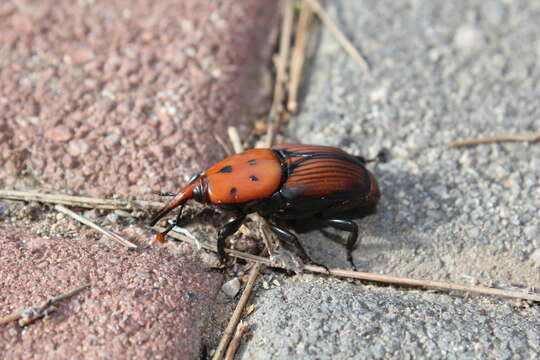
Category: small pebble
<point>231,287</point>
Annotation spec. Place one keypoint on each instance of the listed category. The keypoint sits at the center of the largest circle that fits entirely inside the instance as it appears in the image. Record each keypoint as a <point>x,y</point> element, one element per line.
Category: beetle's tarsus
<point>325,268</point>
<point>160,238</point>
<point>381,156</point>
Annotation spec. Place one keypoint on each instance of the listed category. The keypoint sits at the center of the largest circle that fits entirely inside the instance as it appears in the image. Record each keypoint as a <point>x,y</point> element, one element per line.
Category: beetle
<point>284,182</point>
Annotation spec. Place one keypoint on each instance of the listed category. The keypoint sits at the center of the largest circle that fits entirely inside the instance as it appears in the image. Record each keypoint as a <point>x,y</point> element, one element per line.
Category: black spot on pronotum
<point>253,178</point>
<point>252,162</point>
<point>233,191</point>
<point>226,169</point>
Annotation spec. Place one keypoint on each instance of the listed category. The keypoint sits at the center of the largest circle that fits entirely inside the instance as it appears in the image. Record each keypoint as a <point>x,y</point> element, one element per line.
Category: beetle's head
<point>200,191</point>
<point>197,189</point>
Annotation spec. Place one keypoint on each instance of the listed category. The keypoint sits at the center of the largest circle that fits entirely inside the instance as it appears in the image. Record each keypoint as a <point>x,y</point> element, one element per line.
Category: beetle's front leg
<point>352,228</point>
<point>229,229</point>
<point>160,238</point>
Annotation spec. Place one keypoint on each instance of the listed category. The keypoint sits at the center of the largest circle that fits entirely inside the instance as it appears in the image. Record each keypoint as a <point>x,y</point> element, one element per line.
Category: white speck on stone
<point>378,95</point>
<point>78,147</point>
<point>112,217</point>
<point>190,51</point>
<point>535,257</point>
<point>441,191</point>
<point>531,232</point>
<point>170,109</point>
<point>468,37</point>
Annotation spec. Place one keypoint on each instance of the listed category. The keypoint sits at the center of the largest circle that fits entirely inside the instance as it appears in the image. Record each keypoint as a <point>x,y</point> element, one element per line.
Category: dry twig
<point>334,30</point>
<point>375,277</point>
<point>237,314</point>
<point>235,139</point>
<point>424,283</point>
<point>86,221</point>
<point>223,144</point>
<point>212,247</point>
<point>523,137</point>
<point>80,201</point>
<point>235,342</point>
<point>276,110</point>
<point>298,56</point>
<point>35,312</point>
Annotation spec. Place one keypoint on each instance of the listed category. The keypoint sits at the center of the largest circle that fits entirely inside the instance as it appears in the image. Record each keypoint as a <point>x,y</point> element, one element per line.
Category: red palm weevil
<point>285,182</point>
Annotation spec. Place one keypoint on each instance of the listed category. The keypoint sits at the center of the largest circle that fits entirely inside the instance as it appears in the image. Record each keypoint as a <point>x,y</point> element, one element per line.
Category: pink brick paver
<point>116,97</point>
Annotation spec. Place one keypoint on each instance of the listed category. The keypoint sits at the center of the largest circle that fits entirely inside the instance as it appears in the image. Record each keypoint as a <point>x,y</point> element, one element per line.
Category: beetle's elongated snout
<point>180,198</point>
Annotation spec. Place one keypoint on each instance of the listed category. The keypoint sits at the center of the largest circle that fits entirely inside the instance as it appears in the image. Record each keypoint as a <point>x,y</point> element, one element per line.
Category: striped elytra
<point>320,177</point>
<point>327,172</point>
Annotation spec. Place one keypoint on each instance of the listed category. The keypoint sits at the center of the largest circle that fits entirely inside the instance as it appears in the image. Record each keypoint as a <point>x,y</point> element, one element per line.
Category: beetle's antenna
<point>166,193</point>
<point>181,197</point>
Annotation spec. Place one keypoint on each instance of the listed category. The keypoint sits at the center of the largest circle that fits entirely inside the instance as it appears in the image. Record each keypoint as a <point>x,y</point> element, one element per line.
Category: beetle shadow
<point>408,212</point>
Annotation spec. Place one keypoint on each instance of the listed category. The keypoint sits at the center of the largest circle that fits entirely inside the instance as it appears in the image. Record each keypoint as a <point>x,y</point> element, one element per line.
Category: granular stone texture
<point>308,317</point>
<point>441,71</point>
<point>136,307</point>
<point>116,97</point>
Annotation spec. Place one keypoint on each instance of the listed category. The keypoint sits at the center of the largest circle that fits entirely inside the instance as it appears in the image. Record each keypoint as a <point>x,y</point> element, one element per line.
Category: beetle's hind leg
<point>290,238</point>
<point>352,228</point>
<point>226,231</point>
<point>382,156</point>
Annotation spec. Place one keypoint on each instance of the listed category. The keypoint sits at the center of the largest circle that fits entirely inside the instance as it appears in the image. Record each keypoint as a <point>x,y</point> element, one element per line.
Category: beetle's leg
<point>229,229</point>
<point>381,157</point>
<point>161,236</point>
<point>345,225</point>
<point>290,238</point>
<point>352,228</point>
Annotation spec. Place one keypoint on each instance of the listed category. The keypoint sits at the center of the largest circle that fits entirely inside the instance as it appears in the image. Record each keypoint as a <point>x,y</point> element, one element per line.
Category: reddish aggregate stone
<point>143,84</point>
<point>133,308</point>
<point>116,97</point>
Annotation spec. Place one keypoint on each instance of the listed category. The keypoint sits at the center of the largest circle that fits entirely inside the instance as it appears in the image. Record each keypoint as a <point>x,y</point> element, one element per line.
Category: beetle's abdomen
<point>251,175</point>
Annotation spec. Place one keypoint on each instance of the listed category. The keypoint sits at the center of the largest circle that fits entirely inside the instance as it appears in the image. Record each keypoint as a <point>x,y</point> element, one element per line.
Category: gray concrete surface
<point>313,318</point>
<point>441,71</point>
